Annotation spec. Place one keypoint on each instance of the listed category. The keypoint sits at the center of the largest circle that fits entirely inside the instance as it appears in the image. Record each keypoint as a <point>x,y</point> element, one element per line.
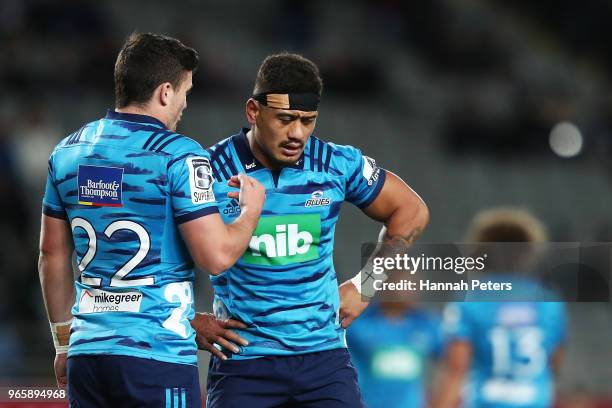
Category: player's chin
<point>289,156</point>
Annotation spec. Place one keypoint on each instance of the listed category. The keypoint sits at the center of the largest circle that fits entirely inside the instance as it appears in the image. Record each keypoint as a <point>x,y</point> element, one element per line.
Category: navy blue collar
<point>133,117</point>
<point>248,160</point>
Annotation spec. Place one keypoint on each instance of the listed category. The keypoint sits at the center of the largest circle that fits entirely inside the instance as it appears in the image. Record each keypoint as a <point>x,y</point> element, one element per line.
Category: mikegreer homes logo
<point>284,239</point>
<point>99,301</point>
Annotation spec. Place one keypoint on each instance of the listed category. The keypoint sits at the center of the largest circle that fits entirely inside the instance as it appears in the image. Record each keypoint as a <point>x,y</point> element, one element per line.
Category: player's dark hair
<point>288,73</point>
<point>507,225</point>
<point>146,61</point>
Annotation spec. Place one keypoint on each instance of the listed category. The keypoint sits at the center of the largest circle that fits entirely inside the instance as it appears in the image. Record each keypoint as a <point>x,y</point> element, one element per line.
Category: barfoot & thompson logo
<point>100,185</point>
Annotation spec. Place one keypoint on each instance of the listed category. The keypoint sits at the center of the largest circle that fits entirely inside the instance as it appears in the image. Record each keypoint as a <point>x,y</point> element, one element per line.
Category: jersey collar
<point>133,117</point>
<point>249,161</point>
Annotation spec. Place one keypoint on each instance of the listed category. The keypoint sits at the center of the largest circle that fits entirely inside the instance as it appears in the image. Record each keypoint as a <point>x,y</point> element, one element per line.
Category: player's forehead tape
<point>307,102</point>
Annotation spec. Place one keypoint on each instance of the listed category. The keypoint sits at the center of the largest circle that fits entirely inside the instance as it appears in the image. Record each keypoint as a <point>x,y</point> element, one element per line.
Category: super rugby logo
<point>98,301</point>
<point>200,180</point>
<point>285,239</point>
<point>317,199</point>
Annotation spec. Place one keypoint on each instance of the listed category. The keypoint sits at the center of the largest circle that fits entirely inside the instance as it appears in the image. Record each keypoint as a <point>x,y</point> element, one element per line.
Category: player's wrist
<point>60,332</point>
<point>361,286</point>
<point>250,215</point>
<point>364,283</point>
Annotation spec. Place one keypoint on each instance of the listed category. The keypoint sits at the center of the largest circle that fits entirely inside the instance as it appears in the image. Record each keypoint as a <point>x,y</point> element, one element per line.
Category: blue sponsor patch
<point>100,185</point>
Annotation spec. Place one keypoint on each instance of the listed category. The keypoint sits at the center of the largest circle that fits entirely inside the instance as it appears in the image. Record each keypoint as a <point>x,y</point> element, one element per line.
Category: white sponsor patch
<point>200,180</point>
<point>370,170</point>
<point>101,301</point>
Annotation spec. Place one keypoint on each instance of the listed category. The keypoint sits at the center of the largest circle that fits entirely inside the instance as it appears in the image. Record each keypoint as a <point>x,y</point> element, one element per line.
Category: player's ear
<point>252,110</point>
<point>165,93</point>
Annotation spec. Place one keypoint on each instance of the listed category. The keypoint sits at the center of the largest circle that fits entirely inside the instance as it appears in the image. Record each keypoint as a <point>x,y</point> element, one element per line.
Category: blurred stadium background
<point>474,103</point>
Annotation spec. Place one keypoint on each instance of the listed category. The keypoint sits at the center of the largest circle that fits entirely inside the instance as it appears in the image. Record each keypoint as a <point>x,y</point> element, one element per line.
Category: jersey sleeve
<point>559,317</point>
<point>365,178</point>
<point>191,180</point>
<point>456,324</point>
<point>53,206</point>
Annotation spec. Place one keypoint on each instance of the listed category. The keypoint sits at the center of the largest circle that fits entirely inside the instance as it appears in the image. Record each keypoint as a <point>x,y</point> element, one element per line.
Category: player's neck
<point>138,110</point>
<point>259,154</point>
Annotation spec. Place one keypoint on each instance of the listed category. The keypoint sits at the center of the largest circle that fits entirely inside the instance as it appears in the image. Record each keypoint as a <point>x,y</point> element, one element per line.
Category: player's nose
<point>298,132</point>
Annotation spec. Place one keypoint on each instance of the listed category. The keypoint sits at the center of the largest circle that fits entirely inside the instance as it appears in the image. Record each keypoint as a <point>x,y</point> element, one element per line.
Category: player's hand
<point>252,193</point>
<point>59,365</point>
<point>210,331</point>
<point>351,304</point>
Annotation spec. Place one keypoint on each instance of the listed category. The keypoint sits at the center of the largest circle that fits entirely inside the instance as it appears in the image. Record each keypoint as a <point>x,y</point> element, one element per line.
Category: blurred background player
<point>126,193</point>
<point>391,345</point>
<point>503,354</point>
<point>284,288</point>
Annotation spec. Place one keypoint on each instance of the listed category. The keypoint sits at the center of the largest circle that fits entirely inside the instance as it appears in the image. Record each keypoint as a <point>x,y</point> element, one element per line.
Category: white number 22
<point>117,279</point>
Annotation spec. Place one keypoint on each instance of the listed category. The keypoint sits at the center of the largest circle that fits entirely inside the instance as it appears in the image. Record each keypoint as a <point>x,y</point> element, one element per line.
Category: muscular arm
<point>405,216</point>
<point>402,211</point>
<point>214,245</point>
<point>57,282</point>
<point>55,268</point>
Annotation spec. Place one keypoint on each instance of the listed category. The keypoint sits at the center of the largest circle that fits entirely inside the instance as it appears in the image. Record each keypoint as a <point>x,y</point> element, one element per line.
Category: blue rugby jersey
<point>284,287</point>
<point>512,344</point>
<point>125,182</point>
<point>391,355</point>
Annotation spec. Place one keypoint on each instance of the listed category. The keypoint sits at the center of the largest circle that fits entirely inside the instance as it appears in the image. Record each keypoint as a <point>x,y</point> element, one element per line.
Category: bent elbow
<point>422,214</point>
<point>216,269</point>
<point>215,265</point>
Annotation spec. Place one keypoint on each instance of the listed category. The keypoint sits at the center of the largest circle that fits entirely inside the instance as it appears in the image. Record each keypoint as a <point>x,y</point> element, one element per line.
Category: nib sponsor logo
<point>99,301</point>
<point>232,209</point>
<point>285,239</point>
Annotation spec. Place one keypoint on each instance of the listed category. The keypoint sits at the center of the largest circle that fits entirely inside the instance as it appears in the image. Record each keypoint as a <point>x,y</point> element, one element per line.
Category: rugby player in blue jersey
<point>391,345</point>
<point>284,287</point>
<point>134,200</point>
<point>503,354</point>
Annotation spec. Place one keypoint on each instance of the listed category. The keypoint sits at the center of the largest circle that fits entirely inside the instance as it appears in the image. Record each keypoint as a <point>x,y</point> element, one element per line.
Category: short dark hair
<point>506,224</point>
<point>146,61</point>
<point>288,73</point>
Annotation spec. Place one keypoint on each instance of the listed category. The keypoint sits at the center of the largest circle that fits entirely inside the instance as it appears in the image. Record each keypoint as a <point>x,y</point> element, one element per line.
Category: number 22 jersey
<point>124,183</point>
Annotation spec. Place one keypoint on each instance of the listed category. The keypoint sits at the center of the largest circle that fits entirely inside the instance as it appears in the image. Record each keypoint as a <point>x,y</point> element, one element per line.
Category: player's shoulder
<point>227,161</point>
<point>332,158</point>
<point>345,151</point>
<point>552,307</point>
<point>344,155</point>
<point>178,146</point>
<point>221,148</point>
<point>74,137</point>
